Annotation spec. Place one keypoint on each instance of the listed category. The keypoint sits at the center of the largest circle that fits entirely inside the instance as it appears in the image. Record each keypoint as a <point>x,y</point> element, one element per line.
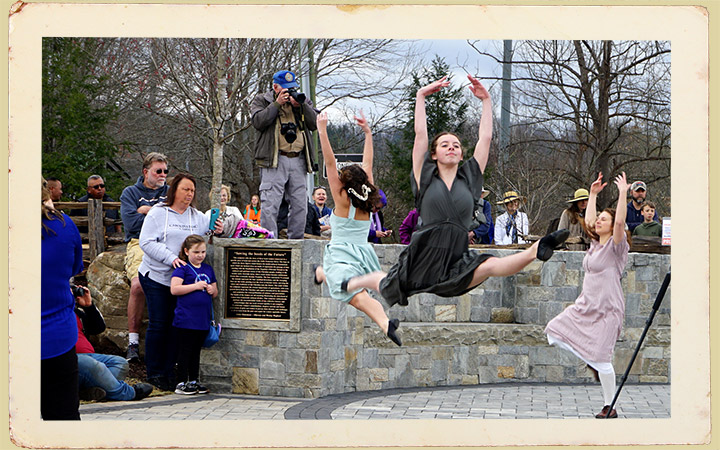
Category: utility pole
<point>305,68</point>
<point>503,154</point>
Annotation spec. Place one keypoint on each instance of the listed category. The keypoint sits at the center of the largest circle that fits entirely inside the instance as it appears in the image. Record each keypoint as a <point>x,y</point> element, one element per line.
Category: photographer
<point>284,119</point>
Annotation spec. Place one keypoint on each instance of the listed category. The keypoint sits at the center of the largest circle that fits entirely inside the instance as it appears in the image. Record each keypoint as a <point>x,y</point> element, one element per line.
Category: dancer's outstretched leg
<point>374,310</point>
<point>512,264</point>
<point>505,266</point>
<point>367,281</point>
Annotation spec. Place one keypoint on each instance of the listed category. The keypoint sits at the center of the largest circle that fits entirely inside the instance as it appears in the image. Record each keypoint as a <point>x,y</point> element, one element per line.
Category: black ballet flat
<point>344,284</point>
<point>550,242</point>
<point>314,268</point>
<point>392,327</point>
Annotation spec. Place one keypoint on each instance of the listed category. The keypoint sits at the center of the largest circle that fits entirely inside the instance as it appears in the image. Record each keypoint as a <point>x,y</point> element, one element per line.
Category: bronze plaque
<point>257,284</point>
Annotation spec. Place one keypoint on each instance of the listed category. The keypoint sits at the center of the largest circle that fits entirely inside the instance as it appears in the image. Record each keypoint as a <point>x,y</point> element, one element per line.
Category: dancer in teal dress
<point>349,254</point>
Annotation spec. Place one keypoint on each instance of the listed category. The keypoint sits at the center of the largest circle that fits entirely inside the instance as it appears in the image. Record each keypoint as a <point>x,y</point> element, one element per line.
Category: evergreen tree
<point>446,111</point>
<point>75,116</point>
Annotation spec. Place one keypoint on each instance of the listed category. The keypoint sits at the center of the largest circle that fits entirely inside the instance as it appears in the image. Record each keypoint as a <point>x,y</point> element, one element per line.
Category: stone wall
<point>446,341</point>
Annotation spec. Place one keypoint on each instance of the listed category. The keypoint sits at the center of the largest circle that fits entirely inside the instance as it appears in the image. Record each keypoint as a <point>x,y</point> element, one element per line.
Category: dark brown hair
<point>354,177</point>
<point>575,213</point>
<point>188,243</point>
<point>434,142</point>
<point>174,184</point>
<point>649,205</point>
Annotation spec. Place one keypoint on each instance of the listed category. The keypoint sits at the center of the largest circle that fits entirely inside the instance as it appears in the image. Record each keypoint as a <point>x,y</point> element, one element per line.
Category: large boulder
<point>110,289</point>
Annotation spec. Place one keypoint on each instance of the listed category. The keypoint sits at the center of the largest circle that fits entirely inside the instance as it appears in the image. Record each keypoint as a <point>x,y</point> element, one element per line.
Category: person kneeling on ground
<point>100,376</point>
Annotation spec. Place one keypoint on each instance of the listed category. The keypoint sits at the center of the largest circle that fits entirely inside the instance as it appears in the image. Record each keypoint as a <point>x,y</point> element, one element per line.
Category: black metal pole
<point>655,308</point>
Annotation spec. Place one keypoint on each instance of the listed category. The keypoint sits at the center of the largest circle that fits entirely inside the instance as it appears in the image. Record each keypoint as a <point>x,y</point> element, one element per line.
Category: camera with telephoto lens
<point>289,130</point>
<point>298,96</point>
<point>77,291</point>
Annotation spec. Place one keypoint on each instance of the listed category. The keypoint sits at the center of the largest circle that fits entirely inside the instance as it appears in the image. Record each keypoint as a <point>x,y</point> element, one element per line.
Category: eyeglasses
<point>319,187</point>
<point>159,171</point>
<point>97,186</point>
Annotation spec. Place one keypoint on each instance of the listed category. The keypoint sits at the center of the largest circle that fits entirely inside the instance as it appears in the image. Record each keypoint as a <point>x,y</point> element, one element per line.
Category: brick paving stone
<point>497,401</point>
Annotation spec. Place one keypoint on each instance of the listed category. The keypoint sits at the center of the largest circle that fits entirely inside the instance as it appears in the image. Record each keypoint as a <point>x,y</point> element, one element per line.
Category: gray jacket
<point>264,113</point>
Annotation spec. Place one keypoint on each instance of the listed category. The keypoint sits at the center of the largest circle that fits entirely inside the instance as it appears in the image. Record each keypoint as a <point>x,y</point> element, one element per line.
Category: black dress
<point>438,259</point>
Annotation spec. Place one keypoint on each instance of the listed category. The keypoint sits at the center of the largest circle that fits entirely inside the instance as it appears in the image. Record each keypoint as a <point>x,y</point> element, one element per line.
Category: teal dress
<point>348,254</point>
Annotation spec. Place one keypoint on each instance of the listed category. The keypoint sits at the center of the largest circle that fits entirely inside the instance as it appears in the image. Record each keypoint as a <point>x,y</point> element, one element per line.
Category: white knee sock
<point>607,381</point>
<point>133,338</point>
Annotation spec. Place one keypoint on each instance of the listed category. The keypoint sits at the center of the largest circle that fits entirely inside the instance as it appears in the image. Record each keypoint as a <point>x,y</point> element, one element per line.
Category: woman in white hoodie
<point>163,232</point>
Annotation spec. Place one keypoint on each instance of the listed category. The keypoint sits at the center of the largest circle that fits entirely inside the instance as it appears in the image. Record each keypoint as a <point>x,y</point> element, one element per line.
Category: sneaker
<point>199,387</point>
<point>133,353</point>
<point>142,390</point>
<point>186,388</point>
<point>92,394</point>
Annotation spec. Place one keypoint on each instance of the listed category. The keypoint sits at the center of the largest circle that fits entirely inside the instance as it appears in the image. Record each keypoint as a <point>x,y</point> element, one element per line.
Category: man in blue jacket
<point>135,202</point>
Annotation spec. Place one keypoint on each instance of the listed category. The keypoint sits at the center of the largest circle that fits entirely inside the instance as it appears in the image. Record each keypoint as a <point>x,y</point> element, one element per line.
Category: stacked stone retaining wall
<point>446,341</point>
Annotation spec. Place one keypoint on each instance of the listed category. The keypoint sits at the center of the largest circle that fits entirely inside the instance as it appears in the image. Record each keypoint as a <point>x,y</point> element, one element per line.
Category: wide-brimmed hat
<point>510,196</point>
<point>485,193</point>
<point>580,194</point>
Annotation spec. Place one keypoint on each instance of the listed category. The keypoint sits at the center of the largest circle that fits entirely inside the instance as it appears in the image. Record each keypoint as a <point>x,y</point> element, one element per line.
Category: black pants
<point>59,387</point>
<point>189,346</point>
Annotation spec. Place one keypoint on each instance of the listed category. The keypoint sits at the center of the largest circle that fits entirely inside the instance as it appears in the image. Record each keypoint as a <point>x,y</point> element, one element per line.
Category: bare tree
<point>595,106</point>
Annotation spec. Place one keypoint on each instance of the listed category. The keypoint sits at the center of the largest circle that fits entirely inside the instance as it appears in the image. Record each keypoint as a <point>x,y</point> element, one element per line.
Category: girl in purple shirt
<point>195,286</point>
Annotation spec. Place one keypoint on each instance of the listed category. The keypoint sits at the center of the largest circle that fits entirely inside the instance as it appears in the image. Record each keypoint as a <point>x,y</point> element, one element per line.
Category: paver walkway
<point>498,401</point>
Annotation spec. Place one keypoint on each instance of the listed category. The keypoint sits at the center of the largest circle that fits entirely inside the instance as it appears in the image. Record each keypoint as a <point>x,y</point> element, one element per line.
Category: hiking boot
<point>92,394</point>
<point>199,387</point>
<point>133,353</point>
<point>142,390</point>
<point>186,388</point>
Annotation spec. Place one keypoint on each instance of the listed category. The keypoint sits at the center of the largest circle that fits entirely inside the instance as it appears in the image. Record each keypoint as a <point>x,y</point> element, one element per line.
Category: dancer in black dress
<point>438,259</point>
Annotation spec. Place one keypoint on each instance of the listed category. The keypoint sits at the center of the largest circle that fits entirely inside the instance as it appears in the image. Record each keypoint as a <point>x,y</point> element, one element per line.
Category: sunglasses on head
<point>98,186</point>
<point>159,171</point>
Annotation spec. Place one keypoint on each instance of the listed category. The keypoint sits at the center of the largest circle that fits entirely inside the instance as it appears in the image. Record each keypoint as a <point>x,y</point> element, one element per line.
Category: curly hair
<point>354,178</point>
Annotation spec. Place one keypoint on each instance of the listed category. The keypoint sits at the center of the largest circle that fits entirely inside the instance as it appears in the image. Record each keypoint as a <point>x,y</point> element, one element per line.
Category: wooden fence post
<point>96,227</point>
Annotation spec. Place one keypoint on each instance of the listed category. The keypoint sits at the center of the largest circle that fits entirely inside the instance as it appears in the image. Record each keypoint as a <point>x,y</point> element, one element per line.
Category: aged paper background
<point>685,26</point>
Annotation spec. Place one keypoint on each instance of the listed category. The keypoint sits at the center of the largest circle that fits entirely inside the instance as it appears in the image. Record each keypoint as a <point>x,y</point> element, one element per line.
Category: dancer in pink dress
<point>590,327</point>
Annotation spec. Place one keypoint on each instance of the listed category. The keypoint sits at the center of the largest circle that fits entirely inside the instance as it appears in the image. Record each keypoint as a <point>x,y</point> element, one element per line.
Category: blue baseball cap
<point>285,79</point>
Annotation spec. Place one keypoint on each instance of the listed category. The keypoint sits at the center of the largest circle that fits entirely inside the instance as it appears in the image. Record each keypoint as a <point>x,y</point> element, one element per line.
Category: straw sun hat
<point>510,196</point>
<point>580,194</point>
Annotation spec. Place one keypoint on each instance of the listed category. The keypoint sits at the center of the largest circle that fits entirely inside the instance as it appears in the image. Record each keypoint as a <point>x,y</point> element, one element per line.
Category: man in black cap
<point>638,190</point>
<point>284,119</point>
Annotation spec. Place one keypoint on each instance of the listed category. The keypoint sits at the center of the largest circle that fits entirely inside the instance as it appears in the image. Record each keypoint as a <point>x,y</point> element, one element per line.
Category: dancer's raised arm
<point>482,148</point>
<point>621,210</point>
<point>367,161</point>
<point>420,147</point>
<point>328,155</point>
<point>591,210</point>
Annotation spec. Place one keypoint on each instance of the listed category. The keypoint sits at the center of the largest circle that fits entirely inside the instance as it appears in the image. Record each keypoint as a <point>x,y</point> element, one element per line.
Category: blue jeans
<point>106,372</point>
<point>160,348</point>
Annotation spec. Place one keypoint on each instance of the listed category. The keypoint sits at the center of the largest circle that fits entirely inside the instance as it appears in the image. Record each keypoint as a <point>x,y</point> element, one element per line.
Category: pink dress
<point>592,325</point>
